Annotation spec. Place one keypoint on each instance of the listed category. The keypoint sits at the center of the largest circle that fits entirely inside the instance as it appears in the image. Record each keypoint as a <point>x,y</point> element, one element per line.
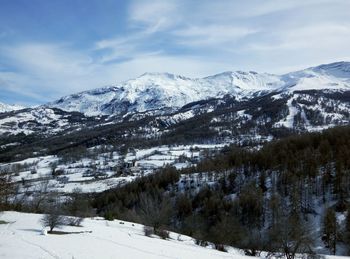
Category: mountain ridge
<point>223,111</point>
<point>152,91</point>
<point>9,107</point>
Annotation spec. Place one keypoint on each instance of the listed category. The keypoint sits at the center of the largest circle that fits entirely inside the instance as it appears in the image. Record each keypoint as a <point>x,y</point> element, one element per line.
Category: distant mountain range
<point>9,107</point>
<point>231,107</point>
<point>164,91</point>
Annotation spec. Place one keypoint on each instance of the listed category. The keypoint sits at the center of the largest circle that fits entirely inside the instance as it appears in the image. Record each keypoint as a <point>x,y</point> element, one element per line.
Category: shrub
<point>220,247</point>
<point>148,231</point>
<point>74,221</point>
<point>53,220</point>
<point>109,216</point>
<point>201,242</point>
<point>162,233</point>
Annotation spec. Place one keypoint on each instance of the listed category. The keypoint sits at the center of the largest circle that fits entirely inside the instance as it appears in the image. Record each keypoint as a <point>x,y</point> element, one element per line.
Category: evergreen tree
<point>330,230</point>
<point>347,230</point>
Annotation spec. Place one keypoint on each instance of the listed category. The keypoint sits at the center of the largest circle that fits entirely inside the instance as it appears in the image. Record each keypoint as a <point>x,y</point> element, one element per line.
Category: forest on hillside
<point>290,196</point>
<point>285,198</point>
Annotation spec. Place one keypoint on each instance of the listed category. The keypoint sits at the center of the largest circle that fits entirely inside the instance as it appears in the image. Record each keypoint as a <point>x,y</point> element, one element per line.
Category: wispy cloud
<point>212,35</point>
<point>194,38</point>
<point>154,16</point>
<point>45,71</point>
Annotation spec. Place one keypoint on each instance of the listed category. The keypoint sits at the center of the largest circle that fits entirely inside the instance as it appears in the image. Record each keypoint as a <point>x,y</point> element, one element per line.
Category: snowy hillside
<point>20,237</point>
<point>99,171</point>
<point>164,109</point>
<point>8,107</point>
<point>40,120</point>
<point>335,76</point>
<point>154,91</point>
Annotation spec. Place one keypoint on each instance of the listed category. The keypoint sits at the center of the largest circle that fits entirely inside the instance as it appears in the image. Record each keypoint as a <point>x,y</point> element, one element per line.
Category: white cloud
<point>43,59</point>
<point>212,35</point>
<point>193,38</point>
<point>48,68</point>
<point>154,15</point>
<point>312,37</point>
<point>57,70</point>
<point>116,48</point>
<point>20,85</point>
<point>222,10</point>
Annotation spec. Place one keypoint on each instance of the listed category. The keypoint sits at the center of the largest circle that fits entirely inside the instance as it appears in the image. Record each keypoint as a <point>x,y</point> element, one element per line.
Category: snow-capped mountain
<point>334,76</point>
<point>43,121</point>
<point>223,107</point>
<point>159,91</point>
<point>154,91</point>
<point>8,107</point>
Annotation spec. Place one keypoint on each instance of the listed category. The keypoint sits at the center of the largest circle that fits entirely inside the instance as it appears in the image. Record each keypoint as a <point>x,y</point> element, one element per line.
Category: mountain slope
<point>164,92</point>
<point>248,109</point>
<point>41,120</point>
<point>334,76</point>
<point>8,107</point>
<point>155,91</point>
<point>21,238</point>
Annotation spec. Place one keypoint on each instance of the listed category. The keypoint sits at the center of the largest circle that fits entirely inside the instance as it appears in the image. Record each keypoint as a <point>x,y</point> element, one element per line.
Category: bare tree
<point>78,207</point>
<point>52,220</point>
<point>154,212</point>
<point>6,190</point>
<point>291,235</point>
<point>53,217</point>
<point>39,196</point>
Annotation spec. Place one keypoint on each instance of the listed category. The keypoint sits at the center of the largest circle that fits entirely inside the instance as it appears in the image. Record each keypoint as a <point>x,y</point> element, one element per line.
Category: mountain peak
<point>233,73</point>
<point>156,91</point>
<point>332,76</point>
<point>162,75</point>
<point>335,65</point>
<point>9,107</point>
<point>338,69</point>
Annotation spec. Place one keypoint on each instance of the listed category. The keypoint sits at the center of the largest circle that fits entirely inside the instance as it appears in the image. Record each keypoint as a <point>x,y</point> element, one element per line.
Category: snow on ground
<point>288,121</point>
<point>163,155</point>
<point>323,108</point>
<point>99,172</point>
<point>243,115</point>
<point>40,117</point>
<point>22,238</point>
<point>153,91</point>
<point>9,107</point>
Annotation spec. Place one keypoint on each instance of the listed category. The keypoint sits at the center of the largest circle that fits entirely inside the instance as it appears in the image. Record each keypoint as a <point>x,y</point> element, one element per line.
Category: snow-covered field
<point>102,171</point>
<point>22,238</point>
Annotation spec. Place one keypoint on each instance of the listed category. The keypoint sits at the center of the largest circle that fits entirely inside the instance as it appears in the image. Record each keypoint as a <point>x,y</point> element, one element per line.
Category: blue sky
<point>51,48</point>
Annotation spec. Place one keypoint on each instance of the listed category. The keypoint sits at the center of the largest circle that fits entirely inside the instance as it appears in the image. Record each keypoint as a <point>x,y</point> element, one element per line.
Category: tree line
<point>270,199</point>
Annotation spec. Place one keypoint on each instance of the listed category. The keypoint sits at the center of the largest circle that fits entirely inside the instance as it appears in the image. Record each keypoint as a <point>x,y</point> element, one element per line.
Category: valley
<point>224,159</point>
